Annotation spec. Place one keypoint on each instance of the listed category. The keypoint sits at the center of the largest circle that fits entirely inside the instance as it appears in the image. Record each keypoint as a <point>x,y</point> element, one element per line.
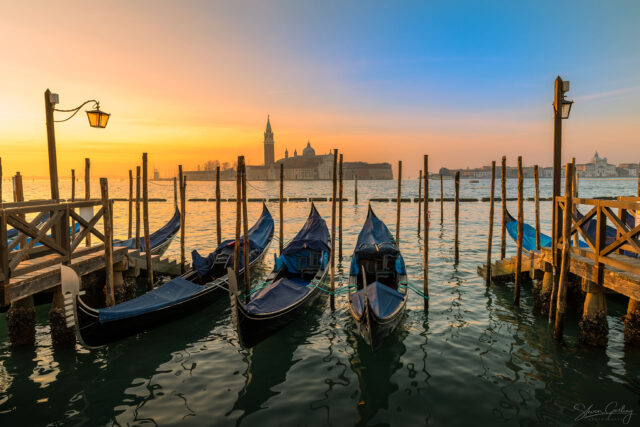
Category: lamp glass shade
<point>566,109</point>
<point>97,118</point>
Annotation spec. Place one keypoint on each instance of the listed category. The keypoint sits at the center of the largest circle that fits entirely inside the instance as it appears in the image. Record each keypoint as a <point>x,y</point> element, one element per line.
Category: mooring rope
<point>408,285</point>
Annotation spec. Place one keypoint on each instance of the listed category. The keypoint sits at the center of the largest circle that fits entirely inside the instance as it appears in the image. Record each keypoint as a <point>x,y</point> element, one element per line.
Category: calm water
<point>472,359</point>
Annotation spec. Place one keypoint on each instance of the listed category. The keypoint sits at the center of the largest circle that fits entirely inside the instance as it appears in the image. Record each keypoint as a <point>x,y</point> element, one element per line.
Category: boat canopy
<point>172,292</point>
<point>259,237</point>
<point>383,300</point>
<point>280,294</point>
<point>156,238</point>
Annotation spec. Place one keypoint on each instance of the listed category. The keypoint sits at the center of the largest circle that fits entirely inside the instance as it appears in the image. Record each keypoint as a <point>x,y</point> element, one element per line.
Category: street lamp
<point>97,119</point>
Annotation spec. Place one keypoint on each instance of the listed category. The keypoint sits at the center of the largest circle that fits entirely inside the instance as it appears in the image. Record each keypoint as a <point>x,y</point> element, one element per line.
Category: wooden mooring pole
<point>281,243</point>
<point>145,220</point>
<point>108,242</point>
<point>503,229</point>
<point>73,199</point>
<point>536,179</point>
<point>574,194</point>
<point>218,224</point>
<point>130,228</point>
<point>1,182</point>
<point>632,319</point>
<point>441,200</point>
<point>419,200</point>
<point>137,207</point>
<point>340,213</point>
<point>87,188</point>
<point>425,253</point>
<point>516,296</point>
<point>566,248</point>
<point>175,191</point>
<point>183,214</point>
<point>333,231</point>
<point>355,189</point>
<point>457,216</point>
<point>236,246</point>
<point>398,202</point>
<point>245,231</point>
<point>487,277</point>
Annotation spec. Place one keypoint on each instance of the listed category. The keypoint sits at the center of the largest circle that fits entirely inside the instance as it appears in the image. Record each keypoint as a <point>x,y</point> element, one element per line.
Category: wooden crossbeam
<point>35,239</point>
<point>28,230</point>
<point>88,227</point>
<point>16,240</point>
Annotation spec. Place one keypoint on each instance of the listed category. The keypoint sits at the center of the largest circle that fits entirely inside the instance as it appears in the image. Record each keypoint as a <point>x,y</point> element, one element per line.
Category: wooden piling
<point>333,231</point>
<point>218,224</point>
<point>183,214</point>
<point>145,220</point>
<point>87,188</point>
<point>574,194</point>
<point>236,246</point>
<point>457,216</point>
<point>355,189</point>
<point>340,213</point>
<point>503,230</point>
<point>1,182</point>
<point>566,248</point>
<point>398,204</point>
<point>536,179</point>
<point>491,212</point>
<point>281,243</point>
<point>419,199</point>
<point>130,228</point>
<point>73,199</point>
<point>425,253</point>
<point>18,196</point>
<point>175,191</point>
<point>441,200</point>
<point>108,242</point>
<point>245,231</point>
<point>137,207</point>
<point>516,296</point>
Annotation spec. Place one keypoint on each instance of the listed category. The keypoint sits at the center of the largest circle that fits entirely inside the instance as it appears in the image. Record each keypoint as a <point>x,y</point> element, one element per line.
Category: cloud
<point>608,94</point>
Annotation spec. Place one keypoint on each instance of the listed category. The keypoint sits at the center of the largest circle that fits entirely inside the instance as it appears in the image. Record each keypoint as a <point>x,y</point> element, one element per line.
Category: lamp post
<point>97,119</point>
<point>561,108</point>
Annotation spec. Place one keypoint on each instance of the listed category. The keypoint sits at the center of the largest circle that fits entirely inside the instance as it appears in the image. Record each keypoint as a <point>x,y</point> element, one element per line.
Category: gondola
<point>377,272</point>
<point>159,240</point>
<point>183,295</point>
<point>289,289</point>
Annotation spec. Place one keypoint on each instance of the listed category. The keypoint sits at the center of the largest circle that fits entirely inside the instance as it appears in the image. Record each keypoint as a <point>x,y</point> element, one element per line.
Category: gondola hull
<point>253,329</point>
<point>374,329</point>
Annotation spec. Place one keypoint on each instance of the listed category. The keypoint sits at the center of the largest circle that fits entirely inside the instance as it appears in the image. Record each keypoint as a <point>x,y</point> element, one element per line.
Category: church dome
<point>308,150</point>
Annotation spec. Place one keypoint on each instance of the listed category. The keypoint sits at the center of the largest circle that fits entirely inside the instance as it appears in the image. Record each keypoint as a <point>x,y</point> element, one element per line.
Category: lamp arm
<point>75,110</point>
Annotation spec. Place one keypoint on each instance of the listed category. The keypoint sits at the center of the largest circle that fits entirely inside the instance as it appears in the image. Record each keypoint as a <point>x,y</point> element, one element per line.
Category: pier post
<point>130,228</point>
<point>21,322</point>
<point>0,182</point>
<point>51,145</point>
<point>456,215</point>
<point>108,242</point>
<point>137,247</point>
<point>516,296</point>
<point>73,199</point>
<point>574,194</point>
<point>537,204</point>
<point>419,199</point>
<point>563,282</point>
<point>491,212</point>
<point>245,231</point>
<point>425,213</point>
<point>542,292</point>
<point>503,230</point>
<point>182,219</point>
<point>340,213</point>
<point>236,245</point>
<point>18,196</point>
<point>632,324</point>
<point>145,220</point>
<point>355,189</point>
<point>441,200</point>
<point>175,191</point>
<point>218,224</point>
<point>332,301</point>
<point>281,243</point>
<point>594,329</point>
<point>183,227</point>
<point>398,205</point>
<point>87,188</point>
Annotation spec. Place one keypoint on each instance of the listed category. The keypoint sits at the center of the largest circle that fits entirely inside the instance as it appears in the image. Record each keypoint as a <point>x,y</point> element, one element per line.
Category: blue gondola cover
<point>259,237</point>
<point>375,239</point>
<point>156,238</point>
<point>170,293</point>
<point>382,299</point>
<point>280,294</point>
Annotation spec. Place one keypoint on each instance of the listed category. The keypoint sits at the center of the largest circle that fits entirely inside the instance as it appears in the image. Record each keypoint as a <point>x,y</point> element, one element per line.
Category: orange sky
<point>188,82</point>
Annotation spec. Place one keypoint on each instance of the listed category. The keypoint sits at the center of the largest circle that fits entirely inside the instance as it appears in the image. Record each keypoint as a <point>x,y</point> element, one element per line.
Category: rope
<point>408,285</point>
<point>160,185</point>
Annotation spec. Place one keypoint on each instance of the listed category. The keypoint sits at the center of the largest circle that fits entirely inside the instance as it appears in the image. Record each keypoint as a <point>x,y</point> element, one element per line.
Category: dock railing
<point>621,251</point>
<point>45,238</point>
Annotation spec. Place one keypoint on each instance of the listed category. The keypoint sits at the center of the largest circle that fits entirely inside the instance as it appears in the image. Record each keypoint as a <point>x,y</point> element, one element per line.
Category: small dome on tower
<point>308,150</point>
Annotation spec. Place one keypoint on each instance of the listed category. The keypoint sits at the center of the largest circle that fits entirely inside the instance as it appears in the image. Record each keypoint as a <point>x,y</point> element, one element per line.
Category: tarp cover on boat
<point>529,235</point>
<point>375,240</point>
<point>382,299</point>
<point>313,236</point>
<point>280,294</point>
<point>156,238</point>
<point>259,236</point>
<point>170,293</point>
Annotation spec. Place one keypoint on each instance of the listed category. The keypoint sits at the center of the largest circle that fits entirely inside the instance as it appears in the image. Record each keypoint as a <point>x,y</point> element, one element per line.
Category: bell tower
<point>268,145</point>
